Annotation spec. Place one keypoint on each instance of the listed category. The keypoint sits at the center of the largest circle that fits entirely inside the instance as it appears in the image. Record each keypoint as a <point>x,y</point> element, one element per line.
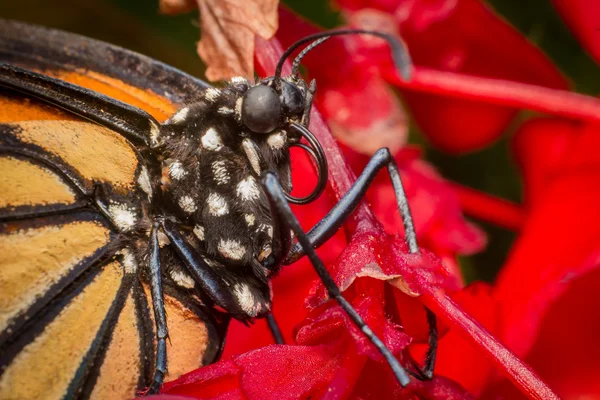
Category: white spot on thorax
<point>129,262</point>
<point>217,205</point>
<point>277,140</point>
<point>211,140</point>
<point>252,155</point>
<point>187,204</point>
<point>212,263</point>
<point>182,279</point>
<point>266,228</point>
<point>220,174</point>
<point>122,216</point>
<point>180,115</point>
<point>176,170</point>
<point>239,79</point>
<point>238,108</point>
<point>250,219</point>
<point>199,232</point>
<point>247,189</point>
<point>144,181</point>
<point>246,299</point>
<point>212,94</point>
<point>225,110</point>
<point>231,249</point>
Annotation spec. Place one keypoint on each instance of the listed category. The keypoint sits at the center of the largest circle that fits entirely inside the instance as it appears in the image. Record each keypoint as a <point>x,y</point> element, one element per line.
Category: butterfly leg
<point>274,328</point>
<point>330,224</point>
<point>280,206</point>
<point>243,296</point>
<point>159,311</point>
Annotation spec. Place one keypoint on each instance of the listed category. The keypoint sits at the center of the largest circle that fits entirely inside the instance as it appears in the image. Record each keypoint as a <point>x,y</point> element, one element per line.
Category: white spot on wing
<point>180,115</point>
<point>250,219</point>
<point>276,141</point>
<point>182,279</point>
<point>217,205</point>
<point>199,232</point>
<point>250,150</point>
<point>122,216</point>
<point>220,174</point>
<point>211,140</point>
<point>187,204</point>
<point>231,249</point>
<point>212,94</point>
<point>176,170</point>
<point>247,189</point>
<point>144,181</point>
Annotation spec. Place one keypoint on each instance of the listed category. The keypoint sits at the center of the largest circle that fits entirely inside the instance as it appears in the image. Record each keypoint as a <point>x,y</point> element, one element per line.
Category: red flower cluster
<point>472,75</point>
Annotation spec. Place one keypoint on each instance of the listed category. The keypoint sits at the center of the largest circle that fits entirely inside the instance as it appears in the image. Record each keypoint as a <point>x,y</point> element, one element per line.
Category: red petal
<point>582,17</point>
<point>457,358</point>
<point>423,274</point>
<point>273,372</point>
<point>217,381</point>
<point>512,367</point>
<point>558,242</point>
<point>489,208</point>
<point>464,36</point>
<point>541,145</point>
<point>435,206</point>
<point>363,125</point>
<point>501,92</point>
<point>384,257</point>
<point>343,86</point>
<point>565,352</point>
<point>568,337</point>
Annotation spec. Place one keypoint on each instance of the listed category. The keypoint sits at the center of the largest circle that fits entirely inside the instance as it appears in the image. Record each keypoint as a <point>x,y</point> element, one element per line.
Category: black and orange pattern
<point>75,319</point>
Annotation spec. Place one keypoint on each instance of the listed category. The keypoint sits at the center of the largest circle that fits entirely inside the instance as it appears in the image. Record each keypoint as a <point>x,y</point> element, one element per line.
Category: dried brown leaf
<point>229,28</point>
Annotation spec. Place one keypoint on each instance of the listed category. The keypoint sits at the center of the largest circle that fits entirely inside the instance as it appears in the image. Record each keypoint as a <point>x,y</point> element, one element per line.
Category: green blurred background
<point>137,25</point>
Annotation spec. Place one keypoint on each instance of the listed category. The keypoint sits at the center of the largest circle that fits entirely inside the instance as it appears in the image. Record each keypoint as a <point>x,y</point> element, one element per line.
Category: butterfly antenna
<point>399,52</point>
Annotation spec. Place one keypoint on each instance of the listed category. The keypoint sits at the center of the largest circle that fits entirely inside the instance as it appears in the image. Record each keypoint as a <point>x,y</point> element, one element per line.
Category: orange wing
<point>75,319</point>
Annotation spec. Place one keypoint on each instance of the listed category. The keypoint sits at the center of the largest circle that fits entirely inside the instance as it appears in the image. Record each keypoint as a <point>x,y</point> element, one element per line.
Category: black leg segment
<point>159,311</point>
<point>280,205</point>
<point>219,284</point>
<point>329,225</point>
<point>274,328</point>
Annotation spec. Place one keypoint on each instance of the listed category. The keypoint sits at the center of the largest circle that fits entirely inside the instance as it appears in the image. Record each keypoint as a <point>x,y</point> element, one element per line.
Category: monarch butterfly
<point>139,204</point>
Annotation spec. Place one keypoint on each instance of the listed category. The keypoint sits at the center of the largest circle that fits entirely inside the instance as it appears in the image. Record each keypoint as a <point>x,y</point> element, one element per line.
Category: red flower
<point>466,88</point>
<point>582,17</point>
<point>468,38</point>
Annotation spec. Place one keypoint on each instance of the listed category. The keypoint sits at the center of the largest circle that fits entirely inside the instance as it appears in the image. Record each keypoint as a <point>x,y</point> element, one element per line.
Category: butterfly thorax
<point>212,165</point>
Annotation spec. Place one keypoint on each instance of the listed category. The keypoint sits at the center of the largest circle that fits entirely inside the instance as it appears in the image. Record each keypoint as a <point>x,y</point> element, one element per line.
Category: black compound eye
<point>261,109</point>
<point>292,98</point>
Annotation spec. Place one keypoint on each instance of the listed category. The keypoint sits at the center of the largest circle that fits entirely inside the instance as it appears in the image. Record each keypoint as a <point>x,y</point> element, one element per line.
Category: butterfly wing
<point>74,319</point>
